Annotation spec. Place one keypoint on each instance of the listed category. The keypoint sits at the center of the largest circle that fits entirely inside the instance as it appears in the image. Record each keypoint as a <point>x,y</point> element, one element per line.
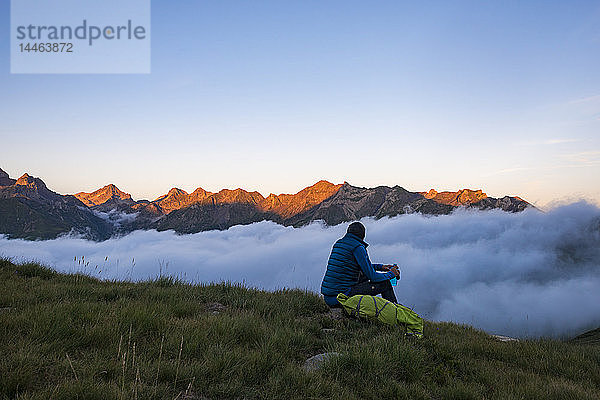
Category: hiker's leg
<point>372,289</point>
<point>363,288</point>
<point>388,293</point>
<point>362,277</point>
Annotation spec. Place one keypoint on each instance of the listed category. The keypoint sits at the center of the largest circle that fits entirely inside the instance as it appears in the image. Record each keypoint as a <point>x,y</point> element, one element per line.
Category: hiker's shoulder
<point>351,241</point>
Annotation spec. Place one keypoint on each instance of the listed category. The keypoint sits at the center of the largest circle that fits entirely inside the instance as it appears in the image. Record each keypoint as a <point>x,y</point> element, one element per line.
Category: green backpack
<point>373,307</point>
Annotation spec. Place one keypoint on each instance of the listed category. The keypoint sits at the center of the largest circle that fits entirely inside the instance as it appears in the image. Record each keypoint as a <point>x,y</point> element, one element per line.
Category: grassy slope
<point>123,340</point>
<point>19,220</point>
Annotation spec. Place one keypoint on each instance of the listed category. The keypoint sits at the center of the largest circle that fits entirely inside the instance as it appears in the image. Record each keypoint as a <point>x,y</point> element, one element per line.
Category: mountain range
<point>28,209</point>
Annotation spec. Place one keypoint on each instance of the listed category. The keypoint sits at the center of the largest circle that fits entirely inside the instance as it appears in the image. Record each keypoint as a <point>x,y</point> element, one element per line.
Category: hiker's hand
<point>386,267</point>
<point>395,270</point>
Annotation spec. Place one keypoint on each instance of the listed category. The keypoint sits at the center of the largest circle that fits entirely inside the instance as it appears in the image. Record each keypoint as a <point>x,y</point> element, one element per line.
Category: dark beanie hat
<point>357,229</point>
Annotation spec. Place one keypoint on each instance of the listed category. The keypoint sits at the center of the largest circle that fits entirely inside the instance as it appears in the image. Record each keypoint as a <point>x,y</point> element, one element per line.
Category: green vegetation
<point>20,220</point>
<point>72,336</point>
<point>24,218</point>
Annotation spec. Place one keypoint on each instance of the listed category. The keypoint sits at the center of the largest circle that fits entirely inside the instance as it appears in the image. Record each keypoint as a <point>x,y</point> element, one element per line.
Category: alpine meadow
<point>256,200</point>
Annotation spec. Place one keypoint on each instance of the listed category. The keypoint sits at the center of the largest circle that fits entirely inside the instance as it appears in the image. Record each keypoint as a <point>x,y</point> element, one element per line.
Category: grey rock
<point>315,362</point>
<point>215,308</point>
<point>504,338</point>
<point>336,314</point>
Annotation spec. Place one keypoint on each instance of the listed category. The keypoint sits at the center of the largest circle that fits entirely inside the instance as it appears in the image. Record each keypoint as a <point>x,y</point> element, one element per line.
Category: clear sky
<point>275,95</point>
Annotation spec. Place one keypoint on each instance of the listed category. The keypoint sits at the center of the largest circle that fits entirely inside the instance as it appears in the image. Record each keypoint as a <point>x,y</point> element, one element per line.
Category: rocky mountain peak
<point>227,196</point>
<point>113,192</point>
<point>459,198</point>
<point>287,205</point>
<point>103,195</point>
<point>322,185</point>
<point>5,180</point>
<point>431,194</point>
<point>25,179</point>
<point>467,196</point>
<point>175,199</point>
<point>176,192</point>
<point>31,182</point>
<point>272,201</point>
<point>112,188</point>
<point>200,192</point>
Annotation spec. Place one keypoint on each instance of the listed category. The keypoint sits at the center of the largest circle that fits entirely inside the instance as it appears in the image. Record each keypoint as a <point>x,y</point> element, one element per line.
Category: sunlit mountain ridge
<point>30,210</point>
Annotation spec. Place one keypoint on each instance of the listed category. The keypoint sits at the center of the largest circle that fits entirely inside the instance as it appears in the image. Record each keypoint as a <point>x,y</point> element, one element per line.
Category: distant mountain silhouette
<point>460,198</point>
<point>30,210</point>
<point>5,179</point>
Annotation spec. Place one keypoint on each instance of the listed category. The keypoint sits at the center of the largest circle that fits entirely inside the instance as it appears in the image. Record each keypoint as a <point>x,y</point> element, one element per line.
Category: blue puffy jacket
<point>348,258</point>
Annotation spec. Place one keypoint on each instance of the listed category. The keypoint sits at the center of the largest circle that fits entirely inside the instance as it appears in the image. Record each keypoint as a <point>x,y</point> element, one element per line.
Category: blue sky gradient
<point>273,96</point>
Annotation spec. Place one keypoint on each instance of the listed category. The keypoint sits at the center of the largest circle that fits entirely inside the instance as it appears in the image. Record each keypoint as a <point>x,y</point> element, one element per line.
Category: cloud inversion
<point>527,274</point>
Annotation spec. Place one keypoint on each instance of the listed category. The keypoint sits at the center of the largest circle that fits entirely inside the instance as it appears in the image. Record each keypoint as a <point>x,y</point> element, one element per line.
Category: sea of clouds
<point>526,274</point>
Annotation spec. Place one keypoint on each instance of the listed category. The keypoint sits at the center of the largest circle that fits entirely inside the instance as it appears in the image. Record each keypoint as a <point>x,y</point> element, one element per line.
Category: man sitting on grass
<point>350,271</point>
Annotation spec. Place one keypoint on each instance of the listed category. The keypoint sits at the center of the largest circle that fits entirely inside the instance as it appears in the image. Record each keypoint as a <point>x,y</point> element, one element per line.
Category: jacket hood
<point>353,236</point>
